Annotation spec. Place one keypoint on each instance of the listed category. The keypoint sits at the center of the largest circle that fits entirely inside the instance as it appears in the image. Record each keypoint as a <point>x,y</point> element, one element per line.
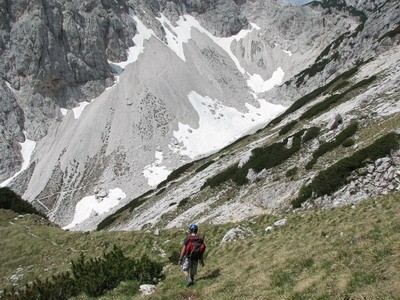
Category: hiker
<point>192,252</point>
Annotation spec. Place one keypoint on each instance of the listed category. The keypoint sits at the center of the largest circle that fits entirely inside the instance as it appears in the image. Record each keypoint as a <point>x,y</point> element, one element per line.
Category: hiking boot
<point>189,282</point>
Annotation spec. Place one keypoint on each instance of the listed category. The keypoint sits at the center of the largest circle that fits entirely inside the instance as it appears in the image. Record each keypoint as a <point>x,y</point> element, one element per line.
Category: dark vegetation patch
<point>92,276</point>
<point>315,68</point>
<point>292,172</point>
<point>334,177</point>
<point>285,129</point>
<point>340,85</point>
<point>332,100</point>
<point>234,143</point>
<point>391,33</point>
<point>262,158</point>
<point>12,201</point>
<point>183,202</point>
<point>311,96</point>
<point>160,191</point>
<point>332,145</point>
<point>107,221</point>
<point>348,142</point>
<point>311,133</point>
<point>176,174</point>
<point>204,166</point>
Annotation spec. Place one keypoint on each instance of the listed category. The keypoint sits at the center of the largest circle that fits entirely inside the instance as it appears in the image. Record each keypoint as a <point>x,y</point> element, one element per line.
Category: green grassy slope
<point>341,253</point>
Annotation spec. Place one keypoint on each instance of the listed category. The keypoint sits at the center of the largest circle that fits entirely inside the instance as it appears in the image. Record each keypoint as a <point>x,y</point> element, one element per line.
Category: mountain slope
<point>186,74</point>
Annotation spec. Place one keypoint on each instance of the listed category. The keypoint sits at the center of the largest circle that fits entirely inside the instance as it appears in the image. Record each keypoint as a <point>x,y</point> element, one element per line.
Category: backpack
<point>195,248</point>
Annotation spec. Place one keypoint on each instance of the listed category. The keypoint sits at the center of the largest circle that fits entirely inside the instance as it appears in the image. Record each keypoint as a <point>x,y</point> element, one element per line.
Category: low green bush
<point>311,163</point>
<point>160,191</point>
<point>176,174</point>
<point>311,133</point>
<point>91,276</point>
<point>348,142</point>
<point>304,194</point>
<point>321,106</point>
<point>221,177</point>
<point>334,177</point>
<point>262,158</point>
<point>292,172</point>
<point>107,221</point>
<point>340,85</point>
<point>311,96</point>
<point>183,202</point>
<point>205,166</point>
<point>339,139</point>
<point>362,83</point>
<point>10,200</point>
<point>285,129</point>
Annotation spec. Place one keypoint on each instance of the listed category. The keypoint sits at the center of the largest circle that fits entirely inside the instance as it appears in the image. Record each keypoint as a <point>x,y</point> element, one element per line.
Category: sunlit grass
<point>325,254</point>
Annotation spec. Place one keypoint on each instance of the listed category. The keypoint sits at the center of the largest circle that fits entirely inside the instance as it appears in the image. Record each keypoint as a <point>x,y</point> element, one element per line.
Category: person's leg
<point>186,271</point>
<point>193,270</point>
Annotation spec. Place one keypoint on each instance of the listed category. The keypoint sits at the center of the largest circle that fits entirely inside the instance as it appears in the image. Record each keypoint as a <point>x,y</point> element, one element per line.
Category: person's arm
<point>182,254</point>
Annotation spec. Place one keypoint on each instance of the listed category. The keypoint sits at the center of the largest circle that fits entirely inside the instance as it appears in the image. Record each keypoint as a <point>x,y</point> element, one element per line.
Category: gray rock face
<point>57,55</point>
<point>11,127</point>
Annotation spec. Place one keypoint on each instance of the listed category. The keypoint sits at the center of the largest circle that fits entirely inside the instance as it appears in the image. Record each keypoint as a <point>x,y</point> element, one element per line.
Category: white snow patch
<point>27,149</point>
<point>85,207</point>
<point>178,35</point>
<point>63,111</point>
<point>258,85</point>
<point>288,52</point>
<point>143,33</point>
<point>219,125</point>
<point>155,173</point>
<point>78,110</point>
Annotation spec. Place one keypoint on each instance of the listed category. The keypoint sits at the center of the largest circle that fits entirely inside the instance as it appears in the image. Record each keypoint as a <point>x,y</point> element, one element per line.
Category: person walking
<point>192,251</point>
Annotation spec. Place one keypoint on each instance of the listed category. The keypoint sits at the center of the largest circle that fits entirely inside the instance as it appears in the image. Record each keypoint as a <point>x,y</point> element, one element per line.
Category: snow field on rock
<point>85,207</point>
<point>27,149</point>
<point>219,125</point>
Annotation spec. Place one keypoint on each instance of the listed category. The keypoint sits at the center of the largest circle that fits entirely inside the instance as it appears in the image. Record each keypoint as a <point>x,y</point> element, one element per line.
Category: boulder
<point>269,229</point>
<point>147,289</point>
<point>335,122</point>
<point>237,233</point>
<point>280,223</point>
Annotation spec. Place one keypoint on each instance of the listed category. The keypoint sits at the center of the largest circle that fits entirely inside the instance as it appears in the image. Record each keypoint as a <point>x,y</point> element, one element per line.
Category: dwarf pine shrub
<point>262,158</point>
<point>311,134</point>
<point>205,166</point>
<point>221,177</point>
<point>334,177</point>
<point>107,221</point>
<point>285,129</point>
<point>292,172</point>
<point>311,96</point>
<point>321,106</point>
<point>10,200</point>
<point>348,142</point>
<point>339,139</point>
<point>91,276</point>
